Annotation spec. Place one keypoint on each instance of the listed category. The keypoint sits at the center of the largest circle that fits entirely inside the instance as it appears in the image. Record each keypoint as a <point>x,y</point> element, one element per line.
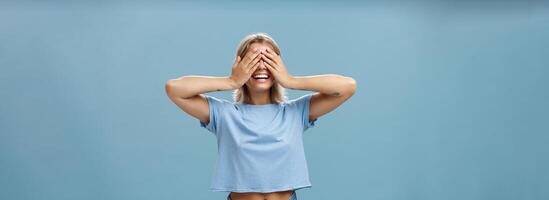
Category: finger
<point>251,59</point>
<point>253,63</point>
<point>270,67</point>
<point>236,61</point>
<point>250,56</point>
<point>252,69</point>
<point>270,51</point>
<point>272,55</point>
<point>269,61</point>
<point>269,54</point>
<point>256,60</point>
<point>246,58</point>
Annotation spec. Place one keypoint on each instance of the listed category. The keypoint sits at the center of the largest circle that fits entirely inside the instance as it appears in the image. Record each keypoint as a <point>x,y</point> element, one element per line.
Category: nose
<point>262,66</point>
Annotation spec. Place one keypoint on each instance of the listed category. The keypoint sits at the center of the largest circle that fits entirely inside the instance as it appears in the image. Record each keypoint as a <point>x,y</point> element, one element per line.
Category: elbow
<point>176,89</point>
<point>169,87</point>
<point>350,86</point>
<point>346,88</point>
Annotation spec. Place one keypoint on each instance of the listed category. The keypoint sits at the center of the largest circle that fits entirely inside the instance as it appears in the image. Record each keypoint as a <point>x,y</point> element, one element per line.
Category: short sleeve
<point>303,104</point>
<point>215,105</point>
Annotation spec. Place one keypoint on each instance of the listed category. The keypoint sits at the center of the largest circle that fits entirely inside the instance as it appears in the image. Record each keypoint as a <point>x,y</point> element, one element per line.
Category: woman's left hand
<point>274,64</point>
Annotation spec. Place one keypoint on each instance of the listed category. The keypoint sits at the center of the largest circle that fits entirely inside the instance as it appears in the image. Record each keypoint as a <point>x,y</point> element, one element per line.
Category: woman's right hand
<point>244,68</point>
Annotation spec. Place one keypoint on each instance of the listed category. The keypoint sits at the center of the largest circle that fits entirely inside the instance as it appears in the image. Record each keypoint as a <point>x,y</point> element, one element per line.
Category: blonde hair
<point>277,92</point>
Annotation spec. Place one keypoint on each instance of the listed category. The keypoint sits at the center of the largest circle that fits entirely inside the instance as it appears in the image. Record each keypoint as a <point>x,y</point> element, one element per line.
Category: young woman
<point>259,135</point>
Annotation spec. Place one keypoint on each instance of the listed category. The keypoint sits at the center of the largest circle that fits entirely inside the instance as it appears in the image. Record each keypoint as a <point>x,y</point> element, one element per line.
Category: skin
<point>331,90</point>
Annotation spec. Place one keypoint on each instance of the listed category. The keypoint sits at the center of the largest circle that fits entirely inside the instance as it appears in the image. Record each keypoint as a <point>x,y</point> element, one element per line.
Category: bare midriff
<point>280,195</point>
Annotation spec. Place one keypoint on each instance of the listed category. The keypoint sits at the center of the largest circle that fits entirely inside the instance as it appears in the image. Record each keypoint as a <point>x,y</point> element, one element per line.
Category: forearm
<point>189,86</point>
<point>331,84</point>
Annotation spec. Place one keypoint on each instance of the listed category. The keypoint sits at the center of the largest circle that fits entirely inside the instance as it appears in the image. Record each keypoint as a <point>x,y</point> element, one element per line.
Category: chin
<point>260,86</point>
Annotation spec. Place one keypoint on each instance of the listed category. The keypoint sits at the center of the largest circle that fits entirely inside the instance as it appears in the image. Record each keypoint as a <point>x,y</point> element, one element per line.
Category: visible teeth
<point>261,76</point>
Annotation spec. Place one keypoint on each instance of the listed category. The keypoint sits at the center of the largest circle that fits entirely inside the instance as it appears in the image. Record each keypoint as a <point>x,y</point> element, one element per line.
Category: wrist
<point>290,83</point>
<point>231,83</point>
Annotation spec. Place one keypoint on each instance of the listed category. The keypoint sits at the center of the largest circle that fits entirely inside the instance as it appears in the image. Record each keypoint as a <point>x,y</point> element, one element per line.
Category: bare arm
<point>192,85</point>
<point>186,91</point>
<point>332,89</point>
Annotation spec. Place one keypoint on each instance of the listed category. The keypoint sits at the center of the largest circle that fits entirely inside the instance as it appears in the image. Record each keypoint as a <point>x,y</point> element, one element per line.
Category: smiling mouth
<point>261,76</point>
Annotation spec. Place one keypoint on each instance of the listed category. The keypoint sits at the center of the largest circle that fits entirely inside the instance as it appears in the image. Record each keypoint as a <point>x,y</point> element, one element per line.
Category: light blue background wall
<point>452,100</point>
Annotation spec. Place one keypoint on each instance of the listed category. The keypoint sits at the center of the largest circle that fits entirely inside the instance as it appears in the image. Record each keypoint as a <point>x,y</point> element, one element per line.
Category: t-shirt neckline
<point>259,105</point>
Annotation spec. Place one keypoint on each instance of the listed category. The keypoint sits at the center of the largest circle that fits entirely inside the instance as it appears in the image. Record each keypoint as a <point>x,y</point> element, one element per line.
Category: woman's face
<point>260,84</point>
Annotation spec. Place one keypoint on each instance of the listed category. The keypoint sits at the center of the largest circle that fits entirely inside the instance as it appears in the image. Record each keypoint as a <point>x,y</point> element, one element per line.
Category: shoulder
<point>216,99</point>
<point>301,100</point>
<point>218,102</point>
<point>300,104</point>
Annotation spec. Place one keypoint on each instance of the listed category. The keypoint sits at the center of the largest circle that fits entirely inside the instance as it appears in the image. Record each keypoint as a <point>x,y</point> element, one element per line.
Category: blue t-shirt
<point>260,147</point>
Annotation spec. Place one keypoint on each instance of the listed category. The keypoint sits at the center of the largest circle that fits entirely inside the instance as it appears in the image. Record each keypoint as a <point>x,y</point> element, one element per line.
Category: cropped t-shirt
<point>260,147</point>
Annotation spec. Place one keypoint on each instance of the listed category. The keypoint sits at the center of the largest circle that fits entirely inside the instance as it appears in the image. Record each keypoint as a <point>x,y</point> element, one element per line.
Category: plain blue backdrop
<point>452,99</point>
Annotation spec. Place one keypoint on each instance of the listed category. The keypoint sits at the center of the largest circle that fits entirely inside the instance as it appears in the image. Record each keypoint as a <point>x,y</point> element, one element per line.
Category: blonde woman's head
<point>277,93</point>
